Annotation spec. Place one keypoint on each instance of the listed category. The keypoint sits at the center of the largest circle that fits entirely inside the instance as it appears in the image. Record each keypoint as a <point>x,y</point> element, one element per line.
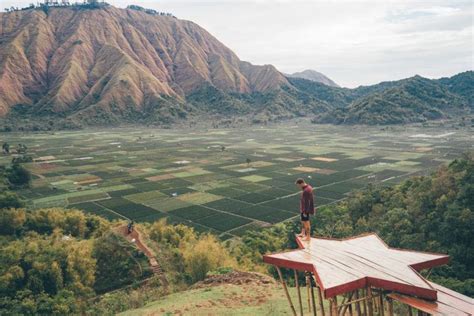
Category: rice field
<point>224,181</point>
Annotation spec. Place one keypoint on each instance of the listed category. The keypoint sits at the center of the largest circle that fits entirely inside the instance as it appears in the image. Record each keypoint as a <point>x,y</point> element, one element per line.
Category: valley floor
<point>224,181</point>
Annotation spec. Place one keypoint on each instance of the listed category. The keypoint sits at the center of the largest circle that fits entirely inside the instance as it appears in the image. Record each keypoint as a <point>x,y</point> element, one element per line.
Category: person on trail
<point>306,208</point>
<point>130,227</point>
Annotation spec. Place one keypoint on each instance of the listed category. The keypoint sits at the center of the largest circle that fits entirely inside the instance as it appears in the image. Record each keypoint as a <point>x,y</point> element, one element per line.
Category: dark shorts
<point>304,217</point>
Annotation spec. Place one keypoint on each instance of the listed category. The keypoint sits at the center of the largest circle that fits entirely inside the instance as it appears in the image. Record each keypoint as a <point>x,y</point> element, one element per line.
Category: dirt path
<point>155,267</point>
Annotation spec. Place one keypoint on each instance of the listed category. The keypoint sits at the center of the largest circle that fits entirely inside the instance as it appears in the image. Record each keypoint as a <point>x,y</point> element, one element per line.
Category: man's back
<point>307,200</point>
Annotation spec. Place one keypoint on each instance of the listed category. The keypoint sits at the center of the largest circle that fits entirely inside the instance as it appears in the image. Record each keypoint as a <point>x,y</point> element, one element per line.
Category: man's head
<point>300,183</point>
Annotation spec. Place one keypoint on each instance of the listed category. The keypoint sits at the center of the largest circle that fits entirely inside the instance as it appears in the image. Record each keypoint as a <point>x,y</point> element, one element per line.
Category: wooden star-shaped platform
<point>341,266</point>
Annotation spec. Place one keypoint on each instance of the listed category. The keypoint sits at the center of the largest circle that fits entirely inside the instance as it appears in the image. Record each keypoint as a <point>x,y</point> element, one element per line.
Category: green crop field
<point>224,181</point>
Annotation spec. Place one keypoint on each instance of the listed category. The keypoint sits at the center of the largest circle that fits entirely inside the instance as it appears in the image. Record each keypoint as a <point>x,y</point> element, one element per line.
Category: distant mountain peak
<point>313,75</point>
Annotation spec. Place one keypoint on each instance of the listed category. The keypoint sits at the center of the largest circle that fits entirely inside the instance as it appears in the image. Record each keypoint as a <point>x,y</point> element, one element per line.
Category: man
<point>130,227</point>
<point>306,208</point>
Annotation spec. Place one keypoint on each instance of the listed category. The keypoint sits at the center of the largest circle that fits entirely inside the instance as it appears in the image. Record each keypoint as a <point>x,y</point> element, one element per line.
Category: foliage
<point>414,99</point>
<point>461,84</point>
<point>43,274</point>
<point>20,222</point>
<point>10,199</point>
<point>193,255</point>
<point>17,176</point>
<point>203,255</point>
<point>118,263</point>
<point>54,259</point>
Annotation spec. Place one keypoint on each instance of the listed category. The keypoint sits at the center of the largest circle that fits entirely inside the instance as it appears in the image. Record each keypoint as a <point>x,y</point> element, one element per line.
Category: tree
<point>118,262</point>
<point>18,176</point>
<point>6,148</point>
<point>10,199</point>
<point>21,149</point>
<point>248,162</point>
<point>11,220</point>
<point>204,255</point>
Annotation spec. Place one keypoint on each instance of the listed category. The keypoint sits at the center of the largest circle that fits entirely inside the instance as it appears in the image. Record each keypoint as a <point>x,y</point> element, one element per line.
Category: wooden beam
<point>286,290</point>
<point>299,292</point>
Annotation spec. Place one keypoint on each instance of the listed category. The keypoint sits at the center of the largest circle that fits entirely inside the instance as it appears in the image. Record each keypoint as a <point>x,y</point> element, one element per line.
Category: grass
<point>228,299</point>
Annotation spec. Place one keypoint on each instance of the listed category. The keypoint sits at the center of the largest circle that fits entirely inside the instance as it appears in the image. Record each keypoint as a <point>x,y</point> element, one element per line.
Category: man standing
<point>306,208</point>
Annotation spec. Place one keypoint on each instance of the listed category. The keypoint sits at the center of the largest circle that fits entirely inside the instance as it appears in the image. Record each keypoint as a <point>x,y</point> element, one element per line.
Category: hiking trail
<point>135,234</point>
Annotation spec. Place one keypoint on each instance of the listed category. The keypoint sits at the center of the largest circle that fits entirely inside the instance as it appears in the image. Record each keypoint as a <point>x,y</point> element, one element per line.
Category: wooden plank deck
<point>342,266</point>
<point>448,303</point>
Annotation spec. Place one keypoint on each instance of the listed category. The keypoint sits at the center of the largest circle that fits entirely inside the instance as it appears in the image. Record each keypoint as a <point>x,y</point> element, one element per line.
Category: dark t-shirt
<point>307,200</point>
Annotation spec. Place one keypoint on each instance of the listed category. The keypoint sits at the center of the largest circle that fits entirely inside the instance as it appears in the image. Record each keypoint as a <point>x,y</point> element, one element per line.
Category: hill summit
<point>87,62</point>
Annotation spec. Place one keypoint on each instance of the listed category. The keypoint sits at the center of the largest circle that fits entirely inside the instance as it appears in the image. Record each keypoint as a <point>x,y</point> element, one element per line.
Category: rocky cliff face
<point>77,61</point>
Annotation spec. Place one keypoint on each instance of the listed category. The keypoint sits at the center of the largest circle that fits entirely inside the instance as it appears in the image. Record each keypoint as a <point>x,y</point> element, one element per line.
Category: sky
<point>353,42</point>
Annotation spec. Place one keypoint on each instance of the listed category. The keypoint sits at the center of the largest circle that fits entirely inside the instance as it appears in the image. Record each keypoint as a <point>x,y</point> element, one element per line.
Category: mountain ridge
<point>411,100</point>
<point>66,59</point>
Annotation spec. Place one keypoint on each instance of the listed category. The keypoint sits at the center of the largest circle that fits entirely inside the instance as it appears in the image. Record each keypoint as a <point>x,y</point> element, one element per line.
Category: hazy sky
<point>352,42</point>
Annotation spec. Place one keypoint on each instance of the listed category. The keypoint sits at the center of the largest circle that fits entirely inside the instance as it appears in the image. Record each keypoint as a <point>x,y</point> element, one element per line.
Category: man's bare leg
<point>303,233</point>
<point>308,230</point>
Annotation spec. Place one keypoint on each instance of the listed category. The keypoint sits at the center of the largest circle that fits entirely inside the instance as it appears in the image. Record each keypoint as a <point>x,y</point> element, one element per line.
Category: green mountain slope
<point>461,84</point>
<point>415,99</point>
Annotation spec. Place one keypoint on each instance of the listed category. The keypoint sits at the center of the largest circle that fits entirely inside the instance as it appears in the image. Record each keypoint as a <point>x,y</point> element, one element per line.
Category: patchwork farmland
<point>225,181</point>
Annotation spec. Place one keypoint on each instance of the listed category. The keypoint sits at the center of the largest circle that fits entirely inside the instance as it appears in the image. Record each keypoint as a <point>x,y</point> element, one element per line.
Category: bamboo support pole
<point>428,274</point>
<point>390,306</point>
<point>381,305</point>
<point>333,304</point>
<point>308,280</point>
<point>370,306</point>
<point>313,301</point>
<point>286,290</point>
<point>321,304</point>
<point>353,301</point>
<point>299,292</point>
<point>343,303</point>
<point>357,304</point>
<point>364,302</point>
<point>346,303</point>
